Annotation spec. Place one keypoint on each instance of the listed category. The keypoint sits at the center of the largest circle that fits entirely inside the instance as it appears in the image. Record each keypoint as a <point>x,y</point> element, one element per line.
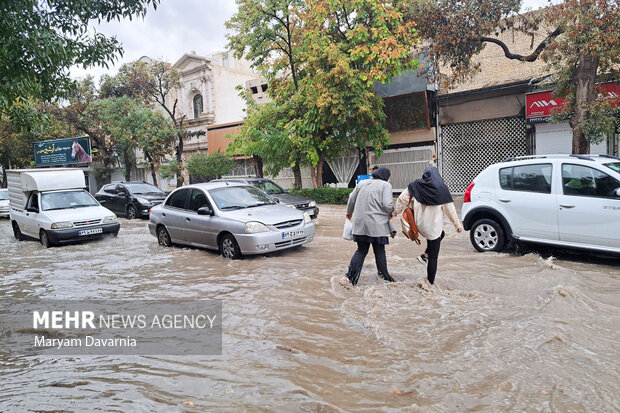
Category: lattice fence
<point>468,148</point>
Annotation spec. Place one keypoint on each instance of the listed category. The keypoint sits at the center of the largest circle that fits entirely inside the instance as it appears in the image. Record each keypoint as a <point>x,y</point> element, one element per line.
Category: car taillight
<point>150,209</point>
<point>467,197</point>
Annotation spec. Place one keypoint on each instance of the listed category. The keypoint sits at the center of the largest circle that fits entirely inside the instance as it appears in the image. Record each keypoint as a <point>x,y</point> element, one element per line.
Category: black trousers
<point>432,251</point>
<point>357,261</point>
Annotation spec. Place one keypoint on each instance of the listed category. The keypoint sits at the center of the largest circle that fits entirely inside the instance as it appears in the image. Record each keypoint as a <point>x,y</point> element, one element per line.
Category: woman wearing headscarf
<point>429,198</point>
<point>371,206</point>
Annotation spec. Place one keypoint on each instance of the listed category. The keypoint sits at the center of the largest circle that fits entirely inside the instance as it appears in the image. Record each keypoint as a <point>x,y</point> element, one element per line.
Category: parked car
<point>233,218</point>
<point>277,192</point>
<point>564,200</point>
<point>4,203</point>
<point>51,205</point>
<point>132,199</point>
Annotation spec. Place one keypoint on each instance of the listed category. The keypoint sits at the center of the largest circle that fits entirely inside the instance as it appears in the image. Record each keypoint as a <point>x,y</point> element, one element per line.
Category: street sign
<point>62,151</point>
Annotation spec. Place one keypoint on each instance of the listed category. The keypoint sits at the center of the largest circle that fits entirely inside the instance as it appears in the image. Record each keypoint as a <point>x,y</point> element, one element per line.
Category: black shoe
<point>423,260</point>
<point>387,278</point>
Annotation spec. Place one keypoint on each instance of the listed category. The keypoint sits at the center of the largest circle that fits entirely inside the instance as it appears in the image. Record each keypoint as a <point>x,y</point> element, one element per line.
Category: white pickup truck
<point>51,205</point>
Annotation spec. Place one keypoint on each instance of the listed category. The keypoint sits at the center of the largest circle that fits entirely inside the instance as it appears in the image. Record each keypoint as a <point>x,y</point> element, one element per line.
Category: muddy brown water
<point>497,332</point>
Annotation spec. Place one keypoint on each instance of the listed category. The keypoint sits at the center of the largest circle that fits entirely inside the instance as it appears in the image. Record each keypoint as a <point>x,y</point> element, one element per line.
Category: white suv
<point>566,200</point>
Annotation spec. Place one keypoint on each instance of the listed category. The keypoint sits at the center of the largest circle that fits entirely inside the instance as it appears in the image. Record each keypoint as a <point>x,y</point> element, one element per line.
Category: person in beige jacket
<point>430,199</point>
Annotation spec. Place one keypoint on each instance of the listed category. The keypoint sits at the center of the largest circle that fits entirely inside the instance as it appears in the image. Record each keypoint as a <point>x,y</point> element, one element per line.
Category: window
<point>407,112</point>
<point>178,198</point>
<point>254,90</point>
<point>269,187</point>
<point>237,197</point>
<point>33,202</point>
<point>197,105</point>
<point>263,87</point>
<point>530,178</point>
<point>197,200</point>
<point>581,180</point>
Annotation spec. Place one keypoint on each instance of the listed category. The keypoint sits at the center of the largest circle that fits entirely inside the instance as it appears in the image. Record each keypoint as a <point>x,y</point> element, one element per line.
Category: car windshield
<point>614,166</point>
<point>138,189</point>
<point>4,195</point>
<point>269,187</point>
<point>237,197</point>
<point>67,199</point>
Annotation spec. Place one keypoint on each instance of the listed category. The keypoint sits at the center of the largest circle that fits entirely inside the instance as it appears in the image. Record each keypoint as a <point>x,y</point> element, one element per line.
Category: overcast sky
<point>178,27</point>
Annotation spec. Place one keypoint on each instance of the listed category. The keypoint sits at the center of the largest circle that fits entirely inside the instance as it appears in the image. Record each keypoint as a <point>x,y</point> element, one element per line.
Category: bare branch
<point>530,58</point>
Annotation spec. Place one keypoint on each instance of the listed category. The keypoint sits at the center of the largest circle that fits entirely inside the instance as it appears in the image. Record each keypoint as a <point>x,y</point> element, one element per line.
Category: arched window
<point>197,105</point>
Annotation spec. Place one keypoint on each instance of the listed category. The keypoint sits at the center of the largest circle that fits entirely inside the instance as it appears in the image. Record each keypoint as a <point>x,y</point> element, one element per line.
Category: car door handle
<point>187,219</point>
<point>567,206</point>
<point>504,200</point>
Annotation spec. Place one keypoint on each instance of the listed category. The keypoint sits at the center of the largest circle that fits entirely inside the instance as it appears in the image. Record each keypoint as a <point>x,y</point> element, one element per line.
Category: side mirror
<point>205,211</point>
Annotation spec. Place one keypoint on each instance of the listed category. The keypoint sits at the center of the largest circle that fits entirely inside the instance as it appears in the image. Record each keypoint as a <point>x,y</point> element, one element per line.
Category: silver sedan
<point>234,219</point>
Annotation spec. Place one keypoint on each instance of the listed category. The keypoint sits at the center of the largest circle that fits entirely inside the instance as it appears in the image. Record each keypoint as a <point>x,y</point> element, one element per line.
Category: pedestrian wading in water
<point>370,206</point>
<point>429,198</point>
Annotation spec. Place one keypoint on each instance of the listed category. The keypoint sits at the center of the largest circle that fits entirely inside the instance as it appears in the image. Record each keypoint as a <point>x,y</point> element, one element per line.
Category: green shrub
<point>203,167</point>
<point>326,195</point>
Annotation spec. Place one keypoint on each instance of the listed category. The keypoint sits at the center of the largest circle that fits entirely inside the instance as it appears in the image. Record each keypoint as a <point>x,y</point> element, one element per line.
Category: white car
<point>565,200</point>
<point>4,203</point>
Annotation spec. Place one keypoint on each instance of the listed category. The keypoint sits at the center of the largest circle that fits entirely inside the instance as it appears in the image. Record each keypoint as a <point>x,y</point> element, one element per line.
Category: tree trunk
<point>152,166</point>
<point>3,184</point>
<point>127,165</point>
<point>317,173</point>
<point>258,165</point>
<point>584,79</point>
<point>180,178</point>
<point>297,175</point>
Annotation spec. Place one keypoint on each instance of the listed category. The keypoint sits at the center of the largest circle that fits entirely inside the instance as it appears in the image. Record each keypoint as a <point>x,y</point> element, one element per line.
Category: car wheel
<point>487,235</point>
<point>229,247</point>
<point>163,238</point>
<point>132,212</point>
<point>17,233</point>
<point>45,241</point>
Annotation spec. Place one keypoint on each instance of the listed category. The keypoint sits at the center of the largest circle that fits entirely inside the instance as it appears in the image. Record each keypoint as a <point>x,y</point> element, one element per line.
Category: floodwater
<point>497,332</point>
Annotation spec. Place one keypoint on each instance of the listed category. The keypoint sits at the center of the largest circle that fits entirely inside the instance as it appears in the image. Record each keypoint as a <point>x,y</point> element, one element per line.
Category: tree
<point>42,39</point>
<point>153,83</point>
<point>322,58</point>
<point>207,167</point>
<point>129,124</point>
<point>582,44</point>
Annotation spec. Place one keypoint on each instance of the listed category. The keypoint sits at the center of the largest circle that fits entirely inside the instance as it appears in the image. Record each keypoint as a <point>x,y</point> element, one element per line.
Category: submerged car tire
<point>45,241</point>
<point>132,212</point>
<point>487,235</point>
<point>229,247</point>
<point>163,238</point>
<point>17,233</point>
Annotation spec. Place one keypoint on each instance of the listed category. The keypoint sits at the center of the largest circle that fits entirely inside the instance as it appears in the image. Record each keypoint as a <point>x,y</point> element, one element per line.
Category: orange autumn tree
<point>581,45</point>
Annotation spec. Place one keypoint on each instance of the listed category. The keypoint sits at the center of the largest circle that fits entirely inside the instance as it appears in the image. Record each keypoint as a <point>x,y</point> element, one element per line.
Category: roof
<point>211,185</point>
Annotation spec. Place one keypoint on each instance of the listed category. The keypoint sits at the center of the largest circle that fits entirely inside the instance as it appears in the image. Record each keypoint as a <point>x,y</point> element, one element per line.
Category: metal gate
<point>468,148</point>
<point>405,164</point>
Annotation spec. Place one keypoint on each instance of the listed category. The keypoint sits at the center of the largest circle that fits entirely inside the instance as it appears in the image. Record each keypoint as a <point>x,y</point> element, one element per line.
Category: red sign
<point>540,105</point>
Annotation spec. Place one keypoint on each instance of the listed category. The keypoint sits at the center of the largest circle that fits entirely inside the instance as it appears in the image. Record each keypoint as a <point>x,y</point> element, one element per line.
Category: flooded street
<point>497,332</point>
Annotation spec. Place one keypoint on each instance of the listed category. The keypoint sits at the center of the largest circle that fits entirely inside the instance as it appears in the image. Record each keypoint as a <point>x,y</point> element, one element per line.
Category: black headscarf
<point>431,189</point>
<point>381,173</point>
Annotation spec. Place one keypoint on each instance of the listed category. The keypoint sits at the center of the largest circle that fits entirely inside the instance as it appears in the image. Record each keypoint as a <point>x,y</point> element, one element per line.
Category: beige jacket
<point>428,218</point>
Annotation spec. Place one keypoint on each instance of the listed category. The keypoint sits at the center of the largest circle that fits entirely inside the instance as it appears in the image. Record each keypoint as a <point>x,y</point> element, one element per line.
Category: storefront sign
<point>62,151</point>
<point>540,105</point>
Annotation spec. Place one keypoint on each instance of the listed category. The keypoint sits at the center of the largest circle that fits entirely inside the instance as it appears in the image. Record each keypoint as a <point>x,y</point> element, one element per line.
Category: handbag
<point>407,222</point>
<point>347,232</point>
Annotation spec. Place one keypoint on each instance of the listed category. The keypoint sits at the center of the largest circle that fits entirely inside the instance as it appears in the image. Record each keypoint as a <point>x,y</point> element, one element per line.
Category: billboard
<point>541,105</point>
<point>62,151</point>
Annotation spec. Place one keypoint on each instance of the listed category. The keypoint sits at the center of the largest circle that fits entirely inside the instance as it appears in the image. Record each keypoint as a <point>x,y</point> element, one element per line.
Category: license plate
<point>292,234</point>
<point>90,231</point>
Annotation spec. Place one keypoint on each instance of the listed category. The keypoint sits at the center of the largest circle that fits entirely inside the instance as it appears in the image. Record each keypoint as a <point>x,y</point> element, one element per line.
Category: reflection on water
<point>497,332</point>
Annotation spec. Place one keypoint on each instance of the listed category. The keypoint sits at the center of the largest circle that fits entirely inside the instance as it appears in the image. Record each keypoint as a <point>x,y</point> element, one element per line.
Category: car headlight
<point>143,201</point>
<point>290,205</point>
<point>255,227</point>
<point>60,225</point>
<point>307,217</point>
<point>110,219</point>
<point>312,204</point>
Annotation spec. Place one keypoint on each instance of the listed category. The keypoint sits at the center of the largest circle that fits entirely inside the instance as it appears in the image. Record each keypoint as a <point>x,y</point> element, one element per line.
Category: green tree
<point>205,167</point>
<point>322,58</point>
<point>129,125</point>
<point>153,83</point>
<point>42,39</point>
<point>581,45</point>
